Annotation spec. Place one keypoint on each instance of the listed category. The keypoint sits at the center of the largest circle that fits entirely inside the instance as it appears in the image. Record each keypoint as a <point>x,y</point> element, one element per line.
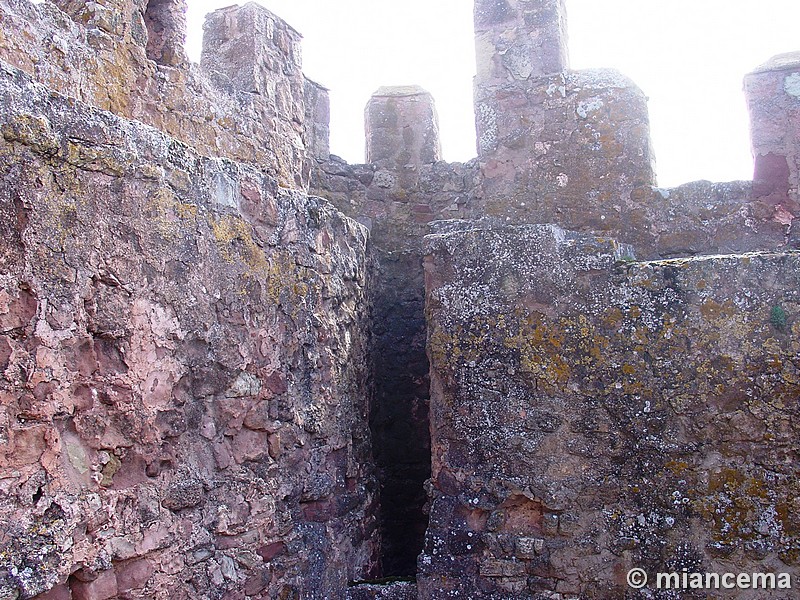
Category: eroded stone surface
<point>590,413</point>
<point>184,397</point>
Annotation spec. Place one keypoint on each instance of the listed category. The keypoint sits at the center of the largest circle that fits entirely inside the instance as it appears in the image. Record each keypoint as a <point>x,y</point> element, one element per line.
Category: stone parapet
<point>184,387</point>
<point>569,445</point>
<point>519,40</point>
<point>249,49</point>
<point>247,103</point>
<point>318,120</point>
<point>550,145</point>
<point>693,219</point>
<point>396,206</point>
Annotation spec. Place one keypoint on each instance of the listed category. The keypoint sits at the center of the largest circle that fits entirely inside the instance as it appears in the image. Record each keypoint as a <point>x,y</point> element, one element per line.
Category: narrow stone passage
<point>399,418</point>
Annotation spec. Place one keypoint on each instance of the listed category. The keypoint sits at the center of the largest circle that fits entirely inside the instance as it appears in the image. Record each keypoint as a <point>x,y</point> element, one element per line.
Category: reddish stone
<point>274,445</point>
<point>319,511</point>
<point>257,583</point>
<point>59,592</point>
<point>133,575</point>
<point>104,587</point>
<point>5,352</point>
<point>447,483</point>
<point>271,551</point>
<point>249,445</point>
<point>27,445</point>
<point>16,312</point>
<point>276,383</point>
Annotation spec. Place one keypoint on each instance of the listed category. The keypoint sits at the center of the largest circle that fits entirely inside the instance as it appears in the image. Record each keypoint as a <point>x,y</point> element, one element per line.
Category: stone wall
<point>563,147</point>
<point>216,386</point>
<point>183,369</point>
<point>103,53</point>
<point>590,414</point>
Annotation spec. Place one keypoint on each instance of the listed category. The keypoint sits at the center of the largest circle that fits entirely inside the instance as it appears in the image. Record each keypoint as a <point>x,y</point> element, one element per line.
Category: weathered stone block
<point>402,128</point>
<point>165,21</point>
<point>640,454</point>
<point>569,148</point>
<point>104,587</point>
<point>773,98</point>
<point>318,120</point>
<point>252,50</point>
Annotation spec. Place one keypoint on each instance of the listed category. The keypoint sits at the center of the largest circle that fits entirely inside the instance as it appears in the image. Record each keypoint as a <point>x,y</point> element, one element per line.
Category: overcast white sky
<point>689,57</point>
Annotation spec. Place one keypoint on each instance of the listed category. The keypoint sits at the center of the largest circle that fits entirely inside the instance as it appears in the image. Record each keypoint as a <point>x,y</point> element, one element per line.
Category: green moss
<point>777,317</point>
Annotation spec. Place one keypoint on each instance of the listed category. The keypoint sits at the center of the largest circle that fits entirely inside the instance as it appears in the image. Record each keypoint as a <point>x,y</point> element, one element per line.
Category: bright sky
<point>689,57</point>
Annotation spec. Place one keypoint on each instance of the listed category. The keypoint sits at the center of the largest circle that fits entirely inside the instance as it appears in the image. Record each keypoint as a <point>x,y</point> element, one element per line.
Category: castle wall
<point>594,127</point>
<point>216,386</point>
<point>98,53</point>
<point>590,414</point>
<point>183,369</point>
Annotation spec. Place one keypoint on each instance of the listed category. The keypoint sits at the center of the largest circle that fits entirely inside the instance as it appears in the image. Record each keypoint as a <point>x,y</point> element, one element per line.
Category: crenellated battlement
<point>556,145</point>
<point>235,367</point>
<point>245,101</point>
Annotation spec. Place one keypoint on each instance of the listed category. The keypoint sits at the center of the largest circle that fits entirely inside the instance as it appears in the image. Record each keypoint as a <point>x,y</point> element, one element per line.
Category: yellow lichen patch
<point>612,318</point>
<point>711,309</point>
<point>447,350</point>
<point>280,270</point>
<point>109,470</point>
<point>33,131</point>
<point>105,159</point>
<point>744,508</point>
<point>539,346</point>
<point>170,213</point>
<point>589,346</point>
<point>61,212</point>
<point>677,467</point>
<point>187,211</point>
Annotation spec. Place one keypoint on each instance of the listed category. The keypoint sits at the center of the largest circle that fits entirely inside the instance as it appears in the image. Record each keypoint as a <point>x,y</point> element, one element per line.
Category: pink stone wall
<point>183,369</point>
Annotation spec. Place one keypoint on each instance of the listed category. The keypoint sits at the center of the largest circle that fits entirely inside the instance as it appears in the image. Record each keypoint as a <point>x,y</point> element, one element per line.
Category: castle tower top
<point>519,39</point>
